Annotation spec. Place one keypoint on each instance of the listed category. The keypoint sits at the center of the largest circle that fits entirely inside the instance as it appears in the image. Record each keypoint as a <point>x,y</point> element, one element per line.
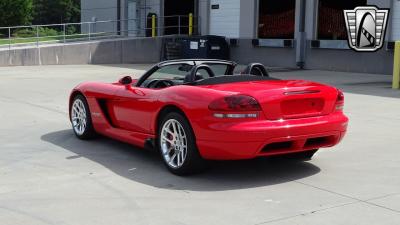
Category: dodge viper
<point>192,111</point>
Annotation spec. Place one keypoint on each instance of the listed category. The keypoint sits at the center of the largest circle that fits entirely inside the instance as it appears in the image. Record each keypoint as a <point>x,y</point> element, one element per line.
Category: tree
<point>15,12</point>
<point>56,11</point>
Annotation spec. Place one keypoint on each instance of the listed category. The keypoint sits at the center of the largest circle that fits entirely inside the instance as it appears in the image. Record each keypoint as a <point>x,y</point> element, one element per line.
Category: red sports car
<point>197,110</point>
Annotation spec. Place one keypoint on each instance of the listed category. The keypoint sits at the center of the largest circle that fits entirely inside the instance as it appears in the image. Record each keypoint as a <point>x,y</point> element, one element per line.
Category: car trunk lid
<point>285,99</point>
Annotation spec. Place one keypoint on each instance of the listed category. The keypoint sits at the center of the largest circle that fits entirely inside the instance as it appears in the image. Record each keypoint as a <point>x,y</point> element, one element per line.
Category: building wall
<point>204,16</point>
<point>270,54</point>
<point>395,35</point>
<point>336,58</point>
<point>144,8</point>
<point>380,62</point>
<point>105,10</point>
<point>248,12</point>
<point>225,21</point>
<point>99,10</point>
<point>238,19</point>
<point>246,53</point>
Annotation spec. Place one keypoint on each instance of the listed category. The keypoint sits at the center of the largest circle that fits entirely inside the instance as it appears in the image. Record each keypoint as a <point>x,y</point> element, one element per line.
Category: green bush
<point>31,32</point>
<point>70,30</point>
<point>45,32</point>
<point>24,33</point>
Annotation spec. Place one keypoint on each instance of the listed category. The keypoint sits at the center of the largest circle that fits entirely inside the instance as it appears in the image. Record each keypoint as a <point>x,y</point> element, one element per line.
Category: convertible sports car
<point>197,110</point>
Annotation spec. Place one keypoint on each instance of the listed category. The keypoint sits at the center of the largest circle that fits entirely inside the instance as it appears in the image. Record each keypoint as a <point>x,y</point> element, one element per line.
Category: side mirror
<point>125,80</point>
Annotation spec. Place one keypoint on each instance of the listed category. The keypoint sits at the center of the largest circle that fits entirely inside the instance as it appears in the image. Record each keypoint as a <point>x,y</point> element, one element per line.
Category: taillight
<point>339,101</point>
<point>238,106</point>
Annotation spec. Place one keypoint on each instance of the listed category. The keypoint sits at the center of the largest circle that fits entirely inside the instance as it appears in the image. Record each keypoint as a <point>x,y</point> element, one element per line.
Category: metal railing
<point>21,36</point>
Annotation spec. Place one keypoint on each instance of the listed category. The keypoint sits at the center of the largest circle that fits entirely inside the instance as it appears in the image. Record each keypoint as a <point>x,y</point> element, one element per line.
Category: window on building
<point>276,19</point>
<point>331,24</point>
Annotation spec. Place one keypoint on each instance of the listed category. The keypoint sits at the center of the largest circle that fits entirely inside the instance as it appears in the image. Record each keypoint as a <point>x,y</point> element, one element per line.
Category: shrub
<point>70,30</point>
<point>31,32</point>
<point>24,33</point>
<point>45,31</point>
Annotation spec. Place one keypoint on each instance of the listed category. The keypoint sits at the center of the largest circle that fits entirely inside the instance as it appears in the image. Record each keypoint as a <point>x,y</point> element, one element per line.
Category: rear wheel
<point>80,118</point>
<point>176,143</point>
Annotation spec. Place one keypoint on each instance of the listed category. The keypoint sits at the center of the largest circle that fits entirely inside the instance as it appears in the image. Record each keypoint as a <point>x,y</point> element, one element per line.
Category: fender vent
<point>104,109</point>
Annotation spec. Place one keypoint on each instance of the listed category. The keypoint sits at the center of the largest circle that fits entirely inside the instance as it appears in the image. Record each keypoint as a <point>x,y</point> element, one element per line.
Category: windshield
<point>180,71</point>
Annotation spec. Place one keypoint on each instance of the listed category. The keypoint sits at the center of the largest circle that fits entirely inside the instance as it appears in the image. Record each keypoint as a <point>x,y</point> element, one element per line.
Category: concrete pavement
<point>47,176</point>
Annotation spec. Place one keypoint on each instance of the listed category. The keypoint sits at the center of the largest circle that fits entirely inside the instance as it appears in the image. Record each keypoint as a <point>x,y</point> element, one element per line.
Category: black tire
<point>193,163</point>
<point>88,131</point>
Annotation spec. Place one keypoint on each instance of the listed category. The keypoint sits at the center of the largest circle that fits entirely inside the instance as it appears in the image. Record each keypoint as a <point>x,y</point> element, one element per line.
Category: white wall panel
<point>225,21</point>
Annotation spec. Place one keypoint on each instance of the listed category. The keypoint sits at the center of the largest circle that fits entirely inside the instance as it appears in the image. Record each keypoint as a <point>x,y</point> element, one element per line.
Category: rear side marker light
<point>339,101</point>
<point>339,107</point>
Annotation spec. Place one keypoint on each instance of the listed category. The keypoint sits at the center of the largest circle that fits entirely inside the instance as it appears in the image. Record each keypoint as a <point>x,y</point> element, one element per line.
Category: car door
<point>134,108</point>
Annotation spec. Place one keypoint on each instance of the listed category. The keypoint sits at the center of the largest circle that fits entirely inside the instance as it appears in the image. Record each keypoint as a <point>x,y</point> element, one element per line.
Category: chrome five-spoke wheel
<point>78,117</point>
<point>174,143</point>
<point>177,145</point>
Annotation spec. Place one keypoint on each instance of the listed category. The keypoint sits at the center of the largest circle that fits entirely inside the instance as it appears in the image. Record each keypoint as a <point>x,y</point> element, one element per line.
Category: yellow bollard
<point>153,25</point>
<point>396,66</point>
<point>190,24</point>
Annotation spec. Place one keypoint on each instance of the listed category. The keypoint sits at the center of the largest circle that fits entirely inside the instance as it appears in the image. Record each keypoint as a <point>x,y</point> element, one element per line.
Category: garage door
<point>225,17</point>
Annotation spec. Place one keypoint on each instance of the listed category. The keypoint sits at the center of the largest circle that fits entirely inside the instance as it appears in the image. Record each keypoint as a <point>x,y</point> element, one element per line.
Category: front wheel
<point>80,118</point>
<point>177,145</point>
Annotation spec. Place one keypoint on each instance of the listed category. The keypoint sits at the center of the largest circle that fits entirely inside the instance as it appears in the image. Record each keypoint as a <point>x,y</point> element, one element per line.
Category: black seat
<point>195,76</point>
<point>256,69</point>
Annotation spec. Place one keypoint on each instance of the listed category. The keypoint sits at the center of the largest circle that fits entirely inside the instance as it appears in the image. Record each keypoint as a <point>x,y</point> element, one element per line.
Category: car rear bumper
<point>245,140</point>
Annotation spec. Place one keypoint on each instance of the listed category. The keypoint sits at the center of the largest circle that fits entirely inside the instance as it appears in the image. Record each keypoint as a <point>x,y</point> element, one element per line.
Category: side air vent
<point>103,107</point>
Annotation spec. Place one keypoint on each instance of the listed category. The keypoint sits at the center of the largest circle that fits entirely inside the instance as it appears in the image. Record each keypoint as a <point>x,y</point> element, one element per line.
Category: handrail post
<point>190,24</point>
<point>37,36</point>
<point>9,38</point>
<point>396,66</point>
<point>64,28</point>
<point>153,26</point>
<point>89,30</point>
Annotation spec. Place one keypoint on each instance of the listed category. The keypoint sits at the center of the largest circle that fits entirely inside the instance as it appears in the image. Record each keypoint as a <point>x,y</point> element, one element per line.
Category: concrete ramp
<point>115,51</point>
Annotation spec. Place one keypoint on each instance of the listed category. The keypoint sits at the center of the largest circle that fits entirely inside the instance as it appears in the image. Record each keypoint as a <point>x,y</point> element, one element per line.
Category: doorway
<point>176,13</point>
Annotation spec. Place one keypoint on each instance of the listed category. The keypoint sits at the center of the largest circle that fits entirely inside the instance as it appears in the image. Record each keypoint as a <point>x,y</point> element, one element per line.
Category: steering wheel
<point>159,83</point>
<point>193,74</point>
<point>257,69</point>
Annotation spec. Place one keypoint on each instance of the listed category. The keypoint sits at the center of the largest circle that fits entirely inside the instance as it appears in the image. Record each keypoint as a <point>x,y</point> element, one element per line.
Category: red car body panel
<point>296,116</point>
